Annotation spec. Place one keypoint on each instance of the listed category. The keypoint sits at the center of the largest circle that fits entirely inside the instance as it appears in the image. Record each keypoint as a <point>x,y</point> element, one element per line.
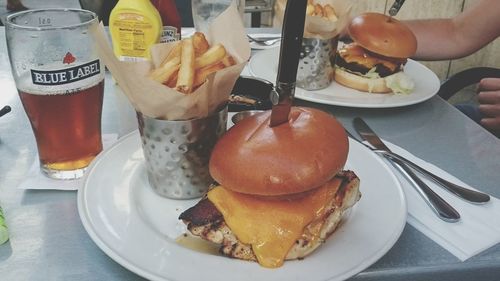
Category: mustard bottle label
<point>134,33</point>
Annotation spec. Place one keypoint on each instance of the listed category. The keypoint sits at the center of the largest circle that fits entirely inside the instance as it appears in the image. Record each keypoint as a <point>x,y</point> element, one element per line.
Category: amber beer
<point>64,106</point>
<point>60,80</point>
<point>67,126</point>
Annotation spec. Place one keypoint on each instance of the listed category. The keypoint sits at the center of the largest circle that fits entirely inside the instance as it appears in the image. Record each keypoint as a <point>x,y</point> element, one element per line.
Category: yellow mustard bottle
<point>134,25</point>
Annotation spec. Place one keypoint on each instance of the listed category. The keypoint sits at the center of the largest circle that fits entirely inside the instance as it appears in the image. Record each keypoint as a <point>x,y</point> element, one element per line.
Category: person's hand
<point>489,104</point>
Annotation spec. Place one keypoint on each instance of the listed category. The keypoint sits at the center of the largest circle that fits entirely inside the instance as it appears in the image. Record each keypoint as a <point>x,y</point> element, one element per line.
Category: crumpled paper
<point>156,100</point>
<point>320,27</point>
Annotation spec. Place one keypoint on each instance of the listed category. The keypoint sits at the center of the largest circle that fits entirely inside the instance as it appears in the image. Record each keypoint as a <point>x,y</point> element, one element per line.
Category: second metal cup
<point>315,69</point>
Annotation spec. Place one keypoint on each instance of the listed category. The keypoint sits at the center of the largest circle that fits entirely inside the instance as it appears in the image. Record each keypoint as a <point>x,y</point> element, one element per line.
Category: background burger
<point>374,61</point>
<point>282,190</point>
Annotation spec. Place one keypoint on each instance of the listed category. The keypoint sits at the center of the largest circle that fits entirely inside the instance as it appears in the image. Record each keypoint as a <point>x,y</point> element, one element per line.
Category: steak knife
<point>291,44</point>
<point>437,204</point>
<point>469,195</point>
<point>396,6</point>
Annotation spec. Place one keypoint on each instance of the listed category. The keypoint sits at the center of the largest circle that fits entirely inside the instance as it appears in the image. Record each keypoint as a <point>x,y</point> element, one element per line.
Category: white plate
<point>264,64</point>
<point>138,229</point>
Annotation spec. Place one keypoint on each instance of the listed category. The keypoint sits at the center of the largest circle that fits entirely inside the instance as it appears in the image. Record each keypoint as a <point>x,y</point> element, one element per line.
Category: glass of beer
<point>60,81</point>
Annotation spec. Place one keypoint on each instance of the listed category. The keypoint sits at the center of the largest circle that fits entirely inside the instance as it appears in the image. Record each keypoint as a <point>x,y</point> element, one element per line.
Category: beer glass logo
<point>67,75</point>
<point>69,58</point>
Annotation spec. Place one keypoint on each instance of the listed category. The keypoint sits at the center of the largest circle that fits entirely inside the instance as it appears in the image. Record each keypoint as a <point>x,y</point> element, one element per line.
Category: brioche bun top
<point>294,157</point>
<point>383,35</point>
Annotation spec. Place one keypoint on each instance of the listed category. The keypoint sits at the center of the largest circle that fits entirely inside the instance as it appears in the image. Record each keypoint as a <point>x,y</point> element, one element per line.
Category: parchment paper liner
<point>157,100</point>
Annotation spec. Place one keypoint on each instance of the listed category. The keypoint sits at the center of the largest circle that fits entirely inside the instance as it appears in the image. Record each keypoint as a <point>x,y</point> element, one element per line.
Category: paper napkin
<point>36,180</point>
<point>478,228</point>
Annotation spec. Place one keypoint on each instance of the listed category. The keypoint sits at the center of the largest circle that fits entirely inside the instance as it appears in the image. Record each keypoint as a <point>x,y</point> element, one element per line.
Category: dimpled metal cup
<point>315,69</point>
<point>177,153</point>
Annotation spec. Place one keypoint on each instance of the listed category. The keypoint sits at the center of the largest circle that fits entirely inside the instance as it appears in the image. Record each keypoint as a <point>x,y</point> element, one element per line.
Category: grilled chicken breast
<point>205,221</point>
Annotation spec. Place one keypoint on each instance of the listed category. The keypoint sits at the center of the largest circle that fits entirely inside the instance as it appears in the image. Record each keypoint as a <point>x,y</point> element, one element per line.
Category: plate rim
<point>88,225</point>
<point>306,96</point>
<point>139,270</point>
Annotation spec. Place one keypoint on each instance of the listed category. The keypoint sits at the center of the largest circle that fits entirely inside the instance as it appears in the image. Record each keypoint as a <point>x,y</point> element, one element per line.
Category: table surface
<point>48,241</point>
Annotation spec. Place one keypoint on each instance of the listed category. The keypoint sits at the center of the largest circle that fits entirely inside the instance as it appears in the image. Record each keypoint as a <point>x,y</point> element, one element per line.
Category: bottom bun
<point>371,85</point>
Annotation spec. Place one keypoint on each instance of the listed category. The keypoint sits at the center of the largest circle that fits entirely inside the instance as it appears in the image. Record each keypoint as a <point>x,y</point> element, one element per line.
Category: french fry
<point>174,53</point>
<point>242,99</point>
<point>228,60</point>
<point>186,71</point>
<point>165,71</point>
<point>202,73</point>
<point>310,9</point>
<point>169,65</point>
<point>172,81</point>
<point>200,43</point>
<point>329,12</point>
<point>189,63</point>
<point>215,54</point>
<point>318,10</point>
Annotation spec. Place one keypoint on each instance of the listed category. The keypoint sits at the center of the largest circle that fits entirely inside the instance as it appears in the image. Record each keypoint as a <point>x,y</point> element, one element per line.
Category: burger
<point>281,191</point>
<point>374,61</point>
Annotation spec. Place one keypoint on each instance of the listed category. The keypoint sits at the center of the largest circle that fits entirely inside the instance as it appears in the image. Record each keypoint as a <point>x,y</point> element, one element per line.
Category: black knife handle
<point>291,40</point>
<point>396,6</point>
<point>6,109</point>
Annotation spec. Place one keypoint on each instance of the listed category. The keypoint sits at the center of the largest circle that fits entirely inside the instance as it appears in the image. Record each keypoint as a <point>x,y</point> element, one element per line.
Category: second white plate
<point>264,64</point>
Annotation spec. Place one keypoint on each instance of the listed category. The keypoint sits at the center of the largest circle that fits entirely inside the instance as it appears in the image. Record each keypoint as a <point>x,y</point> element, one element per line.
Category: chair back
<point>465,78</point>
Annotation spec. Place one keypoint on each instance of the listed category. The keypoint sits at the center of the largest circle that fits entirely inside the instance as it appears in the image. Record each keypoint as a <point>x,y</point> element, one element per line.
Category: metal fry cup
<point>177,153</point>
<point>315,69</point>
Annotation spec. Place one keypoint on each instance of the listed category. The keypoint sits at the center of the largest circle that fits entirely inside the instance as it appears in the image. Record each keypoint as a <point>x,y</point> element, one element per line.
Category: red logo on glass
<point>69,58</point>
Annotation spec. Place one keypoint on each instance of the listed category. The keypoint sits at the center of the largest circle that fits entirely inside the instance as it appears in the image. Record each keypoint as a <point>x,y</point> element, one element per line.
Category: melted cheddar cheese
<point>271,227</point>
<point>355,53</point>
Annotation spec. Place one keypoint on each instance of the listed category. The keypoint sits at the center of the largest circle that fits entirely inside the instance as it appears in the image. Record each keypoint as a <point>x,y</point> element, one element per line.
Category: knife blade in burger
<point>281,191</point>
<point>375,60</point>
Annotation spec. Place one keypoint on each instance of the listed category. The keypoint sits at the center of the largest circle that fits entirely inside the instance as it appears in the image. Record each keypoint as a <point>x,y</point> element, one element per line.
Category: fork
<point>471,196</point>
<point>268,41</point>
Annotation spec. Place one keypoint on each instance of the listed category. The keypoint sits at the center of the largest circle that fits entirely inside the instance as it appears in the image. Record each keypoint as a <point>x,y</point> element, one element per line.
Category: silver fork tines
<point>266,41</point>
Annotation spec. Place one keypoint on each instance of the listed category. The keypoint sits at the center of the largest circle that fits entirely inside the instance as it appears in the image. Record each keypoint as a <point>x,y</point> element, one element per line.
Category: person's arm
<point>440,39</point>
